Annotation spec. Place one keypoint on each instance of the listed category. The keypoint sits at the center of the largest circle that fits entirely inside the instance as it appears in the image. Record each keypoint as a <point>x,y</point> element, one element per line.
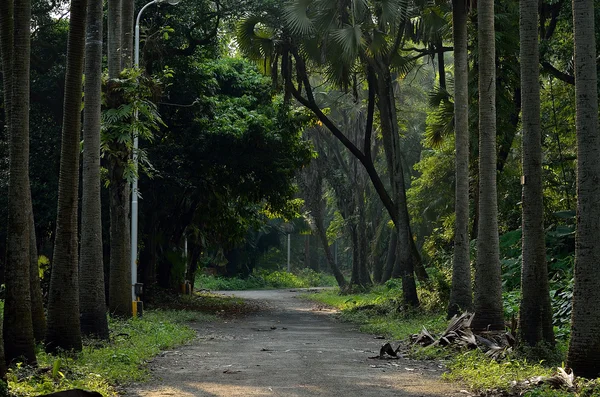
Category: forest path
<point>290,348</point>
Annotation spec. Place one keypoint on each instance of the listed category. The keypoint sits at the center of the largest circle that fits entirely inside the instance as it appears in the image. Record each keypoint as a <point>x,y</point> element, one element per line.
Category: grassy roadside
<point>105,366</point>
<point>376,313</point>
<point>304,278</point>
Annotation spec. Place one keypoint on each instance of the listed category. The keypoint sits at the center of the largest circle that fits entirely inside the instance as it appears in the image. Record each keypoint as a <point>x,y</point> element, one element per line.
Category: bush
<point>262,279</point>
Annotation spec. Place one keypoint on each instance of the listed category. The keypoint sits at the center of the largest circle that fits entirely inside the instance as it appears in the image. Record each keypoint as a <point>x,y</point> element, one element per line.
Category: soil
<point>290,348</point>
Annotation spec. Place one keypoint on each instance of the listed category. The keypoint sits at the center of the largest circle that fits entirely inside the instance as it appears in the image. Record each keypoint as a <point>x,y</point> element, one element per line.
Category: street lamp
<point>134,187</point>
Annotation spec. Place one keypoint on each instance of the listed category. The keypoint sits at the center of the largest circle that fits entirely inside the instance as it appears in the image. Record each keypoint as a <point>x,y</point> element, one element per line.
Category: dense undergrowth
<point>105,366</point>
<point>261,279</point>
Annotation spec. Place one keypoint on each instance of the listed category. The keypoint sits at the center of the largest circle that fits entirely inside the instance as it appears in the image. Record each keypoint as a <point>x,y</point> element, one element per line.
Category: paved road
<point>292,349</point>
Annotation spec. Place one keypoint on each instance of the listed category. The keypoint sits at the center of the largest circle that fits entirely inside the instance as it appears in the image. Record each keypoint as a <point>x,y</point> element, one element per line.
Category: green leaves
<point>296,16</point>
<point>350,39</point>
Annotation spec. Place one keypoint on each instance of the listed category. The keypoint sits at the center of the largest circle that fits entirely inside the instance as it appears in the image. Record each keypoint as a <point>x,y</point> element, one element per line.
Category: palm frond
<point>402,65</point>
<point>296,16</point>
<point>254,39</point>
<point>440,123</point>
<point>392,10</point>
<point>350,39</point>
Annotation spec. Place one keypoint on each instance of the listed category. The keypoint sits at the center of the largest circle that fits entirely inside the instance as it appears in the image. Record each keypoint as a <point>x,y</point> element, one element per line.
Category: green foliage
<point>377,312</point>
<point>102,365</point>
<point>262,279</point>
<point>480,373</point>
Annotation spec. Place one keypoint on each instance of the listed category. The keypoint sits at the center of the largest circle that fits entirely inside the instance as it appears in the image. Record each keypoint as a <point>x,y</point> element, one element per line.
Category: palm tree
<point>63,302</point>
<point>119,283</point>
<point>535,314</point>
<point>342,38</point>
<point>91,278</point>
<point>15,37</point>
<point>584,349</point>
<point>488,284</point>
<point>127,16</point>
<point>461,294</point>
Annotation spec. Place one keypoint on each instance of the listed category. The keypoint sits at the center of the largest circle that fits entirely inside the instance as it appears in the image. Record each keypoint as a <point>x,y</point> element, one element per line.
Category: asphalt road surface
<point>291,348</point>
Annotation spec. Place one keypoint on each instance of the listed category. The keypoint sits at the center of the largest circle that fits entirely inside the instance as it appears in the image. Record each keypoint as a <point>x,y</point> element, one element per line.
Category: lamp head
<point>170,2</point>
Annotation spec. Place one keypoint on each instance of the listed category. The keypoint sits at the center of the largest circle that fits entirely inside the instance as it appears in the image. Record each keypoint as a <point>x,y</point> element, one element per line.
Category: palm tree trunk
<point>92,298</point>
<point>114,38</point>
<point>461,295</point>
<point>18,329</point>
<point>64,331</point>
<point>584,350</point>
<point>488,284</point>
<point>535,314</point>
<point>127,16</point>
<point>38,316</point>
<point>119,291</point>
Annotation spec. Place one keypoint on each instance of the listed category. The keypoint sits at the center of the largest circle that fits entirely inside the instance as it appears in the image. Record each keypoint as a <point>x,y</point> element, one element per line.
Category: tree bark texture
<point>114,38</point>
<point>584,349</point>
<point>119,287</point>
<point>92,299</point>
<point>535,314</point>
<point>489,312</point>
<point>64,331</point>
<point>127,17</point>
<point>461,296</point>
<point>391,144</point>
<point>18,329</point>
<point>38,315</point>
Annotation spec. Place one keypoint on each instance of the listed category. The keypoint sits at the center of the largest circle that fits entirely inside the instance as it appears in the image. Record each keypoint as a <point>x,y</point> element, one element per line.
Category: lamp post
<point>134,185</point>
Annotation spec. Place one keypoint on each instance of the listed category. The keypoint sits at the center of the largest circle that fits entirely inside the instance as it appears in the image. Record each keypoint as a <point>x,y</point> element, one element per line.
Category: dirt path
<point>290,350</point>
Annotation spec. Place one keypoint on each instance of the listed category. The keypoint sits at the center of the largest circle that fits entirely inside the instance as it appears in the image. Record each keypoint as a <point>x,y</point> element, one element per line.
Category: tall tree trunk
<point>489,312</point>
<point>535,314</point>
<point>38,316</point>
<point>114,38</point>
<point>127,17</point>
<point>119,295</point>
<point>584,350</point>
<point>92,299</point>
<point>119,285</point>
<point>18,329</point>
<point>461,294</point>
<point>391,144</point>
<point>64,331</point>
<point>391,257</point>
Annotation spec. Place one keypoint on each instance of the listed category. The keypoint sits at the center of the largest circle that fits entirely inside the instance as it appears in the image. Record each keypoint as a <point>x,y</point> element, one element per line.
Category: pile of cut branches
<point>495,344</point>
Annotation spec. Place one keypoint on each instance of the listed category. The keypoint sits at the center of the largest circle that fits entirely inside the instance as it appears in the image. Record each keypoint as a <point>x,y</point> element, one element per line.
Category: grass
<point>376,312</point>
<point>306,278</point>
<point>105,366</point>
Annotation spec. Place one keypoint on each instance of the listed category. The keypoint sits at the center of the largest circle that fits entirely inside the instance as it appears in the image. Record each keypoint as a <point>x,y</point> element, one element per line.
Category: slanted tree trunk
<point>63,332</point>
<point>489,312</point>
<point>584,350</point>
<point>15,39</point>
<point>535,314</point>
<point>461,298</point>
<point>92,297</point>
